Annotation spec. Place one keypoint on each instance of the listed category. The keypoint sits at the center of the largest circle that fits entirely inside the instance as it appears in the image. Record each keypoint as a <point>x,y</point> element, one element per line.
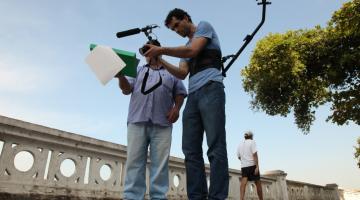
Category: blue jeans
<point>140,137</point>
<point>205,111</point>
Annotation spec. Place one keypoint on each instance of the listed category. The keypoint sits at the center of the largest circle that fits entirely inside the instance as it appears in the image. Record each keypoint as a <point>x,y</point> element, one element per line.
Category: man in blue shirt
<point>205,107</point>
<point>150,121</point>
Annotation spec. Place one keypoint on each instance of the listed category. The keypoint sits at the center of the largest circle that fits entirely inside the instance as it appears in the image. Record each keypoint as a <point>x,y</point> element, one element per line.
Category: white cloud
<point>18,76</point>
<point>19,80</point>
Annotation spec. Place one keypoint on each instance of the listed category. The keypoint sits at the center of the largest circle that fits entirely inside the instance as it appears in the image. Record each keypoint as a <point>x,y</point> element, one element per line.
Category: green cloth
<point>128,57</point>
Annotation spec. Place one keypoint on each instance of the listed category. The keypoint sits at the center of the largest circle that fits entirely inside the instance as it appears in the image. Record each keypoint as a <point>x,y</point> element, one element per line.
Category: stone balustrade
<point>49,149</point>
<point>298,190</point>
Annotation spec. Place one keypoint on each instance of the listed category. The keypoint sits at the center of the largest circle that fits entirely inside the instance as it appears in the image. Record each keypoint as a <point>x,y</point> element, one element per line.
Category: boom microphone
<point>146,30</point>
<point>128,32</point>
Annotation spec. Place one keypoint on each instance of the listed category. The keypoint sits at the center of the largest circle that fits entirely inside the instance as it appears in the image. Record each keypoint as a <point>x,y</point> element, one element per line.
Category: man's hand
<point>173,115</point>
<point>153,51</point>
<point>123,84</point>
<point>119,75</point>
<point>256,172</point>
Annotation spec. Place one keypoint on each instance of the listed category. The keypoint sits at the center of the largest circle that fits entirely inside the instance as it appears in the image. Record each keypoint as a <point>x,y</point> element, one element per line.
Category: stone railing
<point>53,152</point>
<point>351,194</point>
<point>298,190</point>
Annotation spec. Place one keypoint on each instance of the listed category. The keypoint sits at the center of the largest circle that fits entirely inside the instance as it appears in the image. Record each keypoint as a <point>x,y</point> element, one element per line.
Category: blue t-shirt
<point>204,29</point>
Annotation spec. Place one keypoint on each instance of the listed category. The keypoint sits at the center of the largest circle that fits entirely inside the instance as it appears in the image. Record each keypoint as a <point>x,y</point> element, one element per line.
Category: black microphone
<point>128,32</point>
<point>136,31</point>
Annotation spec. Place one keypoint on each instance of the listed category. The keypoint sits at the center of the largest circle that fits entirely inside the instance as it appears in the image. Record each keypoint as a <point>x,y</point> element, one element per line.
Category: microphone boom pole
<point>247,39</point>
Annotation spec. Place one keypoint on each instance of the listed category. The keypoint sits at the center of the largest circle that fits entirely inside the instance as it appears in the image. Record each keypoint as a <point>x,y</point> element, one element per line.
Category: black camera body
<point>143,50</point>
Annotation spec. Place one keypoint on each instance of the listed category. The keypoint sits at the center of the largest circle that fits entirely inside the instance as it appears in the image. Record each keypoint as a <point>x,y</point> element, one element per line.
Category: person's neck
<point>192,31</point>
<point>156,65</point>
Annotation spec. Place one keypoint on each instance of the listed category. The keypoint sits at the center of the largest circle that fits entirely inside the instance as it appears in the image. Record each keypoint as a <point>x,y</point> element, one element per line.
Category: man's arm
<point>238,152</point>
<point>124,84</point>
<point>173,114</point>
<point>256,159</point>
<point>189,51</point>
<point>179,72</point>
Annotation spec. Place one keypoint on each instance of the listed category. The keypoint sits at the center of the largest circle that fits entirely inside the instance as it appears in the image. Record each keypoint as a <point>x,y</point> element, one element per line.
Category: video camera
<point>147,31</point>
<point>145,48</point>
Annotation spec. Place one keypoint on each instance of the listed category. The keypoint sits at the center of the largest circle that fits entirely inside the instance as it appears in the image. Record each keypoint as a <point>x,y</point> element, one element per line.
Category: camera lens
<point>143,50</point>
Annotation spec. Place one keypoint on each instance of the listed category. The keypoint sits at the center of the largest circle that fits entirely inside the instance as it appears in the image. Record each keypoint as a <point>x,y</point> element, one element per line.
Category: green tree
<point>300,70</point>
<point>357,152</point>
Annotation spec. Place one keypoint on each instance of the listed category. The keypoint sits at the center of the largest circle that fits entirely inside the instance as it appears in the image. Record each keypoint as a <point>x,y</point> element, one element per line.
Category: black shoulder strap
<point>143,85</point>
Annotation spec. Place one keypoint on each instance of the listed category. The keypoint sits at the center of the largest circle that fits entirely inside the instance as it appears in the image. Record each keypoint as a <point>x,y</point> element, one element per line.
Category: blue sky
<point>45,80</point>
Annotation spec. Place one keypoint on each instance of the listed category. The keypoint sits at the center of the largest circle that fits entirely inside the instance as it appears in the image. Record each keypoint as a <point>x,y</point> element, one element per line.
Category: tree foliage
<point>302,69</point>
<point>357,152</point>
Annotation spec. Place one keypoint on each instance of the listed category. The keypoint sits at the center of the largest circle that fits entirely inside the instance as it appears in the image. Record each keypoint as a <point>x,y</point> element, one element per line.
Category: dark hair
<point>178,14</point>
<point>248,135</point>
<point>154,42</point>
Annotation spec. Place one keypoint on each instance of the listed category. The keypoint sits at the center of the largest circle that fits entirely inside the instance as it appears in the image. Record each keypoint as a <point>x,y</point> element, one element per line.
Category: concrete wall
<point>351,194</point>
<point>49,149</point>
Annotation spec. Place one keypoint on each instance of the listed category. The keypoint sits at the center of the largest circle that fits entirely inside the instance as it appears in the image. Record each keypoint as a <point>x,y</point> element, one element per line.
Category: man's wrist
<point>163,50</point>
